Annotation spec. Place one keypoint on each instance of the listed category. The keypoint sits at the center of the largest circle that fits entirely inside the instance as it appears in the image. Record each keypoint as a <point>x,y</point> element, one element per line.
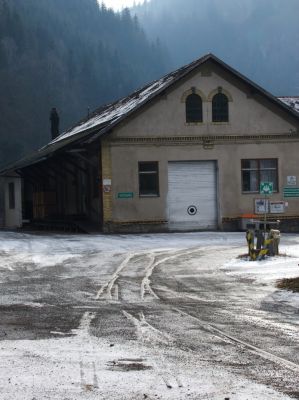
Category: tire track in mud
<point>88,376</point>
<point>149,334</point>
<point>145,287</point>
<point>87,368</point>
<point>84,324</point>
<point>110,289</point>
<point>146,281</point>
<point>257,350</point>
<point>106,289</point>
<point>157,338</point>
<point>145,331</point>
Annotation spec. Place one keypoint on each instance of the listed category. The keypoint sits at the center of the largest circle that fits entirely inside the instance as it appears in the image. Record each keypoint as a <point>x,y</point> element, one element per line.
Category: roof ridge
<point>135,94</point>
<point>106,117</point>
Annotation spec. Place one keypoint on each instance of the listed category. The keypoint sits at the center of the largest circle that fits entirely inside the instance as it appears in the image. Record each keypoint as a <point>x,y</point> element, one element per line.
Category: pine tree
<point>72,55</point>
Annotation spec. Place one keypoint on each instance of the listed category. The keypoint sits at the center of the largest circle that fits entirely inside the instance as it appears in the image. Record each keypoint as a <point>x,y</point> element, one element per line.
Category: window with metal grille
<point>148,179</point>
<point>256,171</point>
<point>11,196</point>
<point>193,108</point>
<point>220,108</point>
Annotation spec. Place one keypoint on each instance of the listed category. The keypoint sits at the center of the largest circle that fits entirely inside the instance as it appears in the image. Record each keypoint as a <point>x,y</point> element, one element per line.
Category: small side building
<point>11,201</point>
<point>186,152</point>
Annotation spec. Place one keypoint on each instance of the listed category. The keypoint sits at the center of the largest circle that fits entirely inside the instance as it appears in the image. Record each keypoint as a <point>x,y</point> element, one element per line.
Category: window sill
<point>219,123</point>
<point>194,123</point>
<point>260,194</point>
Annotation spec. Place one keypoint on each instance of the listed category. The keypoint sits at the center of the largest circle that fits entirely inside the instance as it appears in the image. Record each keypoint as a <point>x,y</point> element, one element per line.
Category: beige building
<point>187,152</point>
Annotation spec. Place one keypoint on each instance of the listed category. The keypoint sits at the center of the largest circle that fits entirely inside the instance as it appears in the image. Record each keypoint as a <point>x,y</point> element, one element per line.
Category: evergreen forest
<point>74,55</point>
<point>77,55</point>
<point>259,38</point>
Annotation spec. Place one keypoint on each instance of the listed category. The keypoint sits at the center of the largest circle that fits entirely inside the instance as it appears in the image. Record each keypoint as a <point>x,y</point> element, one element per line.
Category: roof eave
<point>258,88</point>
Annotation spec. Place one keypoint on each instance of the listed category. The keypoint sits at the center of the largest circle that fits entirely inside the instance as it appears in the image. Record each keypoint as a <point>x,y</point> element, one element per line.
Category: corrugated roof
<point>108,116</point>
<point>112,113</point>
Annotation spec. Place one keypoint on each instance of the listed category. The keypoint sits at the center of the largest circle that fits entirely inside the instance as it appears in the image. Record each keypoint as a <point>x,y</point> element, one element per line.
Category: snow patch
<point>113,112</point>
<point>292,102</point>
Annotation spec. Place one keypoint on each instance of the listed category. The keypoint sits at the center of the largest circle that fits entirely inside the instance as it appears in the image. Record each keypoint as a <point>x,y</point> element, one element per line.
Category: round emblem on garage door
<point>192,210</point>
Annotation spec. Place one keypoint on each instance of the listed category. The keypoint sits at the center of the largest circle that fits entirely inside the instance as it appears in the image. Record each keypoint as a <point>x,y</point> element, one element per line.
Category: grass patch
<point>289,284</point>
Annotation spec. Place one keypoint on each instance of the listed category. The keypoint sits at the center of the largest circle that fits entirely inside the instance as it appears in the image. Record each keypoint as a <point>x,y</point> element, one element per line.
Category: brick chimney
<point>54,118</point>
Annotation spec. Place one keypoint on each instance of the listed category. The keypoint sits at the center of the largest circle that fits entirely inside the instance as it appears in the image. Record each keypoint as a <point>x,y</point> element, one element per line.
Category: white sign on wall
<point>106,185</point>
<point>261,206</point>
<point>277,207</point>
<point>106,182</point>
<point>292,180</point>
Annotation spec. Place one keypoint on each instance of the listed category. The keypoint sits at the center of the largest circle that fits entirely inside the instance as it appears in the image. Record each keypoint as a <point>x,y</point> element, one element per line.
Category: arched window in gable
<point>220,108</point>
<point>193,108</point>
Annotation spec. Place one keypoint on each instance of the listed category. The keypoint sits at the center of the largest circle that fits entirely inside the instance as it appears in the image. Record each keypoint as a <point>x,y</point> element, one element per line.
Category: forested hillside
<point>258,37</point>
<point>72,55</point>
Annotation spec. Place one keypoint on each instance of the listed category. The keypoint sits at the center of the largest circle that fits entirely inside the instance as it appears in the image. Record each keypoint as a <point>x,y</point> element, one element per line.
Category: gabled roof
<point>107,117</point>
<point>111,114</point>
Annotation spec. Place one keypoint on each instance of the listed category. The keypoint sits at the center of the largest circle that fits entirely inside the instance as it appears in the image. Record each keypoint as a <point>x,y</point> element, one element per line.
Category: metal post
<point>265,217</point>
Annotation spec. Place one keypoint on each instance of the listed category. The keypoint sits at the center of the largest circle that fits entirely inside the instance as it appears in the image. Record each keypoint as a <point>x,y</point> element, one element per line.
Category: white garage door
<point>192,195</point>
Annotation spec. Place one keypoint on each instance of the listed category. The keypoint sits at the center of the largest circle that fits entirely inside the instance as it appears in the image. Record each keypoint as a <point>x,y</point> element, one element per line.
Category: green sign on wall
<point>125,195</point>
<point>266,188</point>
<point>290,192</point>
